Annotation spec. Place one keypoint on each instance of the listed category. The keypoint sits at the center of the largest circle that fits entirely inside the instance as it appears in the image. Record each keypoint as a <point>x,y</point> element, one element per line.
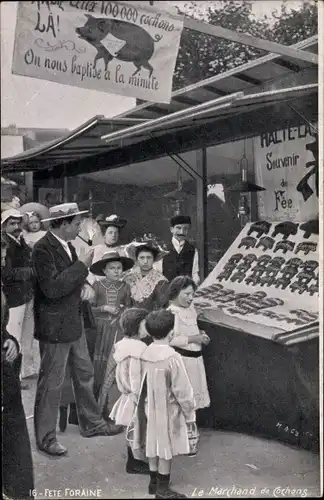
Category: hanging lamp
<point>178,196</point>
<point>244,186</point>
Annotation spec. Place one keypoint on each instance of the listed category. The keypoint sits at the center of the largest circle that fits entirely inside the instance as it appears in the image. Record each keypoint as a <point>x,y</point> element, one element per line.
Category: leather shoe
<point>110,429</point>
<point>55,449</point>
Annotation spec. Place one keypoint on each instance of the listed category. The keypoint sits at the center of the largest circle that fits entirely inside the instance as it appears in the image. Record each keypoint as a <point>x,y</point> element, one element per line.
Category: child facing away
<point>187,339</point>
<point>127,355</point>
<point>169,404</point>
<point>112,297</point>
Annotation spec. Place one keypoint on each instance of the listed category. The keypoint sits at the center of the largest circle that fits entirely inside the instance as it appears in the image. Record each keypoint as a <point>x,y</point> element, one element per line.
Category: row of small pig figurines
<point>287,228</point>
<point>267,243</point>
<point>245,303</point>
<point>266,270</point>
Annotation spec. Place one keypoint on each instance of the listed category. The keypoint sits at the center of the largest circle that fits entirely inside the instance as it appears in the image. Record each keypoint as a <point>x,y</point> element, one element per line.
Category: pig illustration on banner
<point>136,44</point>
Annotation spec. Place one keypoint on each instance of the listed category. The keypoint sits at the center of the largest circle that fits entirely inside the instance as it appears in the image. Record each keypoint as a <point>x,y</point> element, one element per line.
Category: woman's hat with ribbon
<point>135,247</point>
<point>98,267</point>
<point>64,210</point>
<point>33,207</point>
<point>112,220</point>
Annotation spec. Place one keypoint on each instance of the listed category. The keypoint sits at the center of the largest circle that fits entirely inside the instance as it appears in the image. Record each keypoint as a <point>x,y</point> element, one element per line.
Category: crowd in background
<point>96,324</point>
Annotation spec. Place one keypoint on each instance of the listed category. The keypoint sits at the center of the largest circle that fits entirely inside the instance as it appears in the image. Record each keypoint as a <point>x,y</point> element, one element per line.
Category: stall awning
<point>96,139</point>
<point>258,73</point>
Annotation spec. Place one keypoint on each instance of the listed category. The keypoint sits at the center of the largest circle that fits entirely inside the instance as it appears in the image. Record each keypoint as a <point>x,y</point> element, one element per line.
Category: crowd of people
<point>88,322</point>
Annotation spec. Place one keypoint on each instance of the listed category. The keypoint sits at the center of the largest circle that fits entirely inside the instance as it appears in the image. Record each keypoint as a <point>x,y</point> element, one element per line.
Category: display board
<point>267,281</point>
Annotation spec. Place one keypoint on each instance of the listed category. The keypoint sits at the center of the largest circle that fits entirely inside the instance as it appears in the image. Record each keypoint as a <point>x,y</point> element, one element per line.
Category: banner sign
<point>286,165</point>
<point>112,47</point>
<point>267,281</point>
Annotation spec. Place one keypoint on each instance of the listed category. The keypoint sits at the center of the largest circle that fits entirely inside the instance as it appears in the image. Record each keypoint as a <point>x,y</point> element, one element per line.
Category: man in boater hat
<point>61,278</point>
<point>182,258</point>
<point>18,278</point>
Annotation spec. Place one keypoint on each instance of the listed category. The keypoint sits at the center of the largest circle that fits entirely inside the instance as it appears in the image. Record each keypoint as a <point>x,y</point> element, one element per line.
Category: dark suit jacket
<point>59,281</point>
<point>10,386</point>
<point>17,275</point>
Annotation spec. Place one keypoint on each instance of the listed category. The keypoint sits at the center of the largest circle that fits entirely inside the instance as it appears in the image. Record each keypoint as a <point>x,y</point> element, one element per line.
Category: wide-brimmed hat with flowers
<point>64,210</point>
<point>98,267</point>
<point>112,220</point>
<point>135,247</point>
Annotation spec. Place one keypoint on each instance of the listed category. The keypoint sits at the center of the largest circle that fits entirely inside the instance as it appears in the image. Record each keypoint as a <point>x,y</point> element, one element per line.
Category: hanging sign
<point>286,164</point>
<point>113,47</point>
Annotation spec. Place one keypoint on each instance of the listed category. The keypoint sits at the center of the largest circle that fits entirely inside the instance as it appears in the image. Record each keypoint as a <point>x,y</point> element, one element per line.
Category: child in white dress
<point>169,406</point>
<point>187,339</point>
<point>127,354</point>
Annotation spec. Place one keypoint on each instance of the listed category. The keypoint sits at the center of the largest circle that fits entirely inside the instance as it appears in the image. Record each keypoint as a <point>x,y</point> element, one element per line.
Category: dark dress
<point>115,294</point>
<point>17,465</point>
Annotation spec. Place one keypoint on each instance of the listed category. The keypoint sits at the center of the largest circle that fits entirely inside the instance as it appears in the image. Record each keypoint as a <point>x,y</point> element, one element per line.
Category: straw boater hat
<point>64,210</point>
<point>10,213</point>
<point>180,219</point>
<point>98,267</point>
<point>112,220</point>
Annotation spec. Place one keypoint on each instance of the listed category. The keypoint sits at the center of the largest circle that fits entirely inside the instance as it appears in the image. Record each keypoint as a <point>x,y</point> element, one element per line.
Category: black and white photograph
<point>162,249</point>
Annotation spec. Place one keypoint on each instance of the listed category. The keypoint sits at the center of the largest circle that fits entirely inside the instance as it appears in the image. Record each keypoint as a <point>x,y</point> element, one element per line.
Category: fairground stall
<point>259,296</point>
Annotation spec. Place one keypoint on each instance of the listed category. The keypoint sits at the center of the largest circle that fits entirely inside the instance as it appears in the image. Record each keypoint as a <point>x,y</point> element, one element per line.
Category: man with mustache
<point>182,259</point>
<point>18,281</point>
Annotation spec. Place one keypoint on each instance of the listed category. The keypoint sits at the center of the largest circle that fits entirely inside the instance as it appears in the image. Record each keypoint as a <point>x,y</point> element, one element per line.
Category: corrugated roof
<point>246,78</point>
<point>135,128</point>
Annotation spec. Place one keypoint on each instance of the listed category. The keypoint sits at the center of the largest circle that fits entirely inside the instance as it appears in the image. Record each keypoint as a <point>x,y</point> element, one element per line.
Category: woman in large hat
<point>148,286</point>
<point>112,296</point>
<point>111,227</point>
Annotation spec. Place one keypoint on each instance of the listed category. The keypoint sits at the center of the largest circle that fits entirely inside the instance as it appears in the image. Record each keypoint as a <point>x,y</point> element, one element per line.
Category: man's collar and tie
<point>178,245</point>
<point>18,240</point>
<point>67,245</point>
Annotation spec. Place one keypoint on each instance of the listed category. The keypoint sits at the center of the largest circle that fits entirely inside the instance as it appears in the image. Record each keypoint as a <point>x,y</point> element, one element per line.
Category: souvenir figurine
<point>248,242</point>
<point>260,227</point>
<point>286,229</point>
<point>266,243</point>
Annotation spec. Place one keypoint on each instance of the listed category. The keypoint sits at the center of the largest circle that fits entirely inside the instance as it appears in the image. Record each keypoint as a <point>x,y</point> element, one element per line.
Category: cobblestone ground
<point>228,465</point>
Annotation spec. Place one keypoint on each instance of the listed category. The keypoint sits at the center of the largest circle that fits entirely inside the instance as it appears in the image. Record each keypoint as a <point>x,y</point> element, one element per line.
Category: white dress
<point>185,325</point>
<point>127,355</point>
<point>32,238</point>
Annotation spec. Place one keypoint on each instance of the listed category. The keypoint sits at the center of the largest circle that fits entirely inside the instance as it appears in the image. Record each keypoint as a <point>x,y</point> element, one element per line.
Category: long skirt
<point>108,333</point>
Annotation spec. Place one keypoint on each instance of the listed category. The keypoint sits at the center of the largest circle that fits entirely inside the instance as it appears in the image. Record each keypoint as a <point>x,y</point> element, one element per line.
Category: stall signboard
<point>114,47</point>
<point>286,165</point>
<point>267,282</point>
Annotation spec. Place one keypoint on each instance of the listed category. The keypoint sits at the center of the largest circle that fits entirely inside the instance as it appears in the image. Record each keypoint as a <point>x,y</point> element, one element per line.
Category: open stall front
<point>258,382</point>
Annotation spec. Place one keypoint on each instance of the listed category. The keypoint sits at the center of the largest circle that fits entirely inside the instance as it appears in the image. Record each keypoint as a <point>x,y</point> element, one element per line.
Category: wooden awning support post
<point>202,236</point>
<point>251,41</point>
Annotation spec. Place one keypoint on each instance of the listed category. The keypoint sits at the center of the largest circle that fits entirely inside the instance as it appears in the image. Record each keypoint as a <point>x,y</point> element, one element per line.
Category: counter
<point>260,387</point>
